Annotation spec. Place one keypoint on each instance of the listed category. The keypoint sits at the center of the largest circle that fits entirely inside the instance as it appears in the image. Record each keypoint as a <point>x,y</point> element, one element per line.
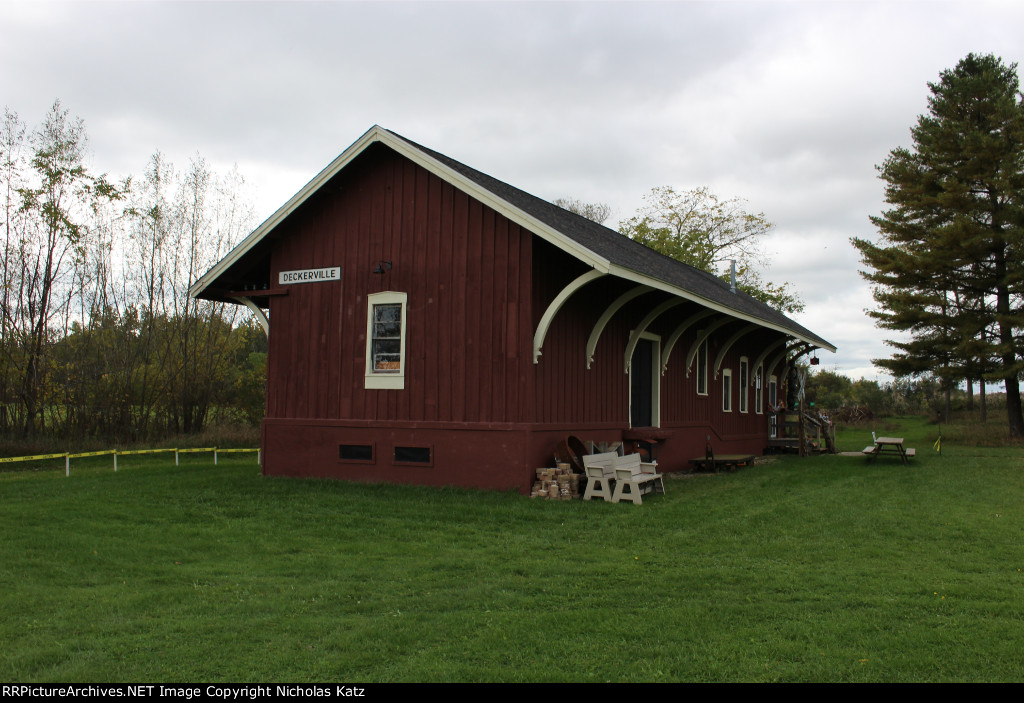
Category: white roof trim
<point>288,208</point>
<point>636,277</point>
<point>495,203</point>
<point>379,134</point>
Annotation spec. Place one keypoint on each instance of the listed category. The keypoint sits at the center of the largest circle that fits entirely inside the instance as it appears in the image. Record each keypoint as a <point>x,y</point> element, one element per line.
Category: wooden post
<point>802,430</point>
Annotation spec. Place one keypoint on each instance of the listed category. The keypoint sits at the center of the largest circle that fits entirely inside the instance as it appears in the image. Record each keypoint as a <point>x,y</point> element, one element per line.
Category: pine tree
<point>949,268</point>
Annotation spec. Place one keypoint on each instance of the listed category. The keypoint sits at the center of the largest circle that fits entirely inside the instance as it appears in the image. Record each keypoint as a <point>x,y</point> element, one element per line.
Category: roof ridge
<point>549,213</point>
<point>593,243</point>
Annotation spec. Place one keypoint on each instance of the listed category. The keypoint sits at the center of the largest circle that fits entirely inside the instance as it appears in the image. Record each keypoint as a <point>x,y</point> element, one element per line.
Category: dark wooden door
<point>641,385</point>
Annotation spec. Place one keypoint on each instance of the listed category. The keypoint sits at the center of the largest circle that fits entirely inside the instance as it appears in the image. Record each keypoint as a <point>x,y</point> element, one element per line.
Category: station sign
<point>309,276</point>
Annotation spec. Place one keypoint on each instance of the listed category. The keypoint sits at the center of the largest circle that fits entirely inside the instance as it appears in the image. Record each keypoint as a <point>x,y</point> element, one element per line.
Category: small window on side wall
<point>385,340</point>
<point>702,367</point>
<point>744,382</point>
<point>727,390</point>
<point>759,390</point>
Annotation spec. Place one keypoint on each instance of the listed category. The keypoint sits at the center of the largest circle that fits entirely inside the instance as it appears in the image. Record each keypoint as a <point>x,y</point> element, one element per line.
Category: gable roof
<point>598,246</point>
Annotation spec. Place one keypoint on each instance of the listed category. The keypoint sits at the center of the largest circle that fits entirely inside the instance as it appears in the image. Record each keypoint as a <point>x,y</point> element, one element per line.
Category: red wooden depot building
<point>430,324</point>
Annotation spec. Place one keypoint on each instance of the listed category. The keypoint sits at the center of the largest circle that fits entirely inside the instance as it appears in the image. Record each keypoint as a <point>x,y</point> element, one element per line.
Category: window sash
<point>386,346</point>
<point>702,368</point>
<point>744,382</point>
<point>727,390</point>
<point>758,390</point>
<point>386,333</point>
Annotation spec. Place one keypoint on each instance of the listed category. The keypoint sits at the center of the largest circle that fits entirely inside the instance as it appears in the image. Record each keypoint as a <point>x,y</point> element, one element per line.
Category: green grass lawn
<point>818,569</point>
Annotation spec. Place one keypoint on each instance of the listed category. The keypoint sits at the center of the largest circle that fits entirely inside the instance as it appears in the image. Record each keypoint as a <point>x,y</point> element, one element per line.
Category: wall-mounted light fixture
<point>382,267</point>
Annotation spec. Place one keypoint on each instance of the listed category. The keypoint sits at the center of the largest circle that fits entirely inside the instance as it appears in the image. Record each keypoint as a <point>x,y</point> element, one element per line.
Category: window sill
<point>381,381</point>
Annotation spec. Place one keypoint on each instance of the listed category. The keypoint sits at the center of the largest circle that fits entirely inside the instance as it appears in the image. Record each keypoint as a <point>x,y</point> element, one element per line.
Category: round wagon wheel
<point>571,450</point>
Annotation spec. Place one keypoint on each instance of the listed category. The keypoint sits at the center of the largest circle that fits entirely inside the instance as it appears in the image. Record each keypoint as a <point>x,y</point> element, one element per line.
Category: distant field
<point>821,569</point>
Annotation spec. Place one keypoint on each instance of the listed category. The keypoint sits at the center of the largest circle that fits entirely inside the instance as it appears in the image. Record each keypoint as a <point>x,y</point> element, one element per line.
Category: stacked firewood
<point>559,483</point>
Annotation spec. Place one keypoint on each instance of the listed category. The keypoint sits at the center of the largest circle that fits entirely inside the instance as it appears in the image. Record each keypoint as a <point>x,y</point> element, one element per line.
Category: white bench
<point>633,478</point>
<point>600,472</point>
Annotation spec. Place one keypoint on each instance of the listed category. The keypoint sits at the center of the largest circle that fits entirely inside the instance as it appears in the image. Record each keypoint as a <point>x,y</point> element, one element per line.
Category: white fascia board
<point>372,135</point>
<point>631,275</point>
<point>497,204</point>
<point>379,134</point>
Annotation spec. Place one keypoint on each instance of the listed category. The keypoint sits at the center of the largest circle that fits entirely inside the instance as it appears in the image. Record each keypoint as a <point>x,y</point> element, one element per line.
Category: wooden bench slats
<point>600,472</point>
<point>632,477</point>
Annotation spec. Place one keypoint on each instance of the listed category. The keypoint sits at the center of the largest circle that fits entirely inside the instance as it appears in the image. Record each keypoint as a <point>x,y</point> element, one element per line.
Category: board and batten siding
<point>465,269</point>
<point>596,400</point>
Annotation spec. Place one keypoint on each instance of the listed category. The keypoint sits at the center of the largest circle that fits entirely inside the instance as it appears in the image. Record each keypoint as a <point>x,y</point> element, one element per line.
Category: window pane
<point>387,313</point>
<point>385,340</point>
<point>387,329</point>
<point>702,368</point>
<point>727,391</point>
<point>387,355</point>
<point>744,382</point>
<point>386,347</point>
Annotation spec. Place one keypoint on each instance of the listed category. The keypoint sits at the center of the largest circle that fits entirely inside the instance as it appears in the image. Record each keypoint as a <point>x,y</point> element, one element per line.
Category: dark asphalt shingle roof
<point>623,251</point>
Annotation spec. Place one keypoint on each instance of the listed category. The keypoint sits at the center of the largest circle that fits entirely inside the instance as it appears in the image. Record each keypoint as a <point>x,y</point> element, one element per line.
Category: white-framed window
<point>385,340</point>
<point>744,382</point>
<point>773,401</point>
<point>758,391</point>
<point>727,390</point>
<point>702,367</point>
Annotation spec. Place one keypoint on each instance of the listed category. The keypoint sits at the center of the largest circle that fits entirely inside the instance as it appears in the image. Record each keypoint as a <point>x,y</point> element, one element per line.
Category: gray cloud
<point>790,105</point>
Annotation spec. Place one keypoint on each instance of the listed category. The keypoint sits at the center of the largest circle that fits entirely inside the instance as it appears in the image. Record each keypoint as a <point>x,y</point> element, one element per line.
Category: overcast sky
<point>789,105</point>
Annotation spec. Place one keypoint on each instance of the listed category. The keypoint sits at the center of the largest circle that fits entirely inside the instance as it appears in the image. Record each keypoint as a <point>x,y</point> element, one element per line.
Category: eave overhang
<point>204,287</point>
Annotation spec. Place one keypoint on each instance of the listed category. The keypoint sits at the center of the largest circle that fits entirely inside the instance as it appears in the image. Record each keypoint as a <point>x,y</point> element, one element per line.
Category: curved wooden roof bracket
<point>764,355</point>
<point>728,345</point>
<point>606,316</point>
<point>556,305</point>
<point>634,337</point>
<point>260,315</point>
<point>701,338</point>
<point>674,337</point>
<point>797,350</point>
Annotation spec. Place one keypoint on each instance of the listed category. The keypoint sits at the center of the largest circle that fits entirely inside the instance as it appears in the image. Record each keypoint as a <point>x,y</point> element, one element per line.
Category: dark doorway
<point>641,385</point>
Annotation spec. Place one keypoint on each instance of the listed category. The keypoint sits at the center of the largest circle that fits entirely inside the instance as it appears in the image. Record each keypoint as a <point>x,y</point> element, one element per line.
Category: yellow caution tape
<point>63,455</point>
<point>30,458</point>
<point>142,451</point>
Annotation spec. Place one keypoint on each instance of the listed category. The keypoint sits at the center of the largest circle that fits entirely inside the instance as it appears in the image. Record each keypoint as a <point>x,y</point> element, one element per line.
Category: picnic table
<point>888,445</point>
